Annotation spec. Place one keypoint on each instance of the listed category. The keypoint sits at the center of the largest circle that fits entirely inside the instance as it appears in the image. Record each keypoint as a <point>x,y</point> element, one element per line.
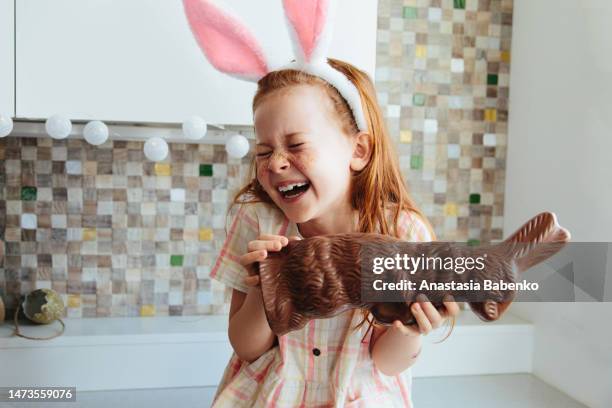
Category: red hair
<point>380,185</point>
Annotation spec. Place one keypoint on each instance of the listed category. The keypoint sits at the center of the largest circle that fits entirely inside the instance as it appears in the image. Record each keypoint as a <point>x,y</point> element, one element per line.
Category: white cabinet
<point>137,61</point>
<point>7,60</point>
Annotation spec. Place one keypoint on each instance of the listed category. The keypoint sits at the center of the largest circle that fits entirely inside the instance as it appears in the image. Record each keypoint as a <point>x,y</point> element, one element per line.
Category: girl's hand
<point>258,251</point>
<point>427,317</point>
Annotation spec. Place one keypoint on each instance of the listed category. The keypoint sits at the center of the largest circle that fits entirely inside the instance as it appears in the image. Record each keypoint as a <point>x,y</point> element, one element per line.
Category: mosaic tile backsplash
<point>118,235</point>
<point>442,75</point>
<point>114,233</point>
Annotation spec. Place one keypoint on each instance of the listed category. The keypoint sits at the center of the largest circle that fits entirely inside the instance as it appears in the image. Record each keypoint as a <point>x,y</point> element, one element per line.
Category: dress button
<point>316,351</point>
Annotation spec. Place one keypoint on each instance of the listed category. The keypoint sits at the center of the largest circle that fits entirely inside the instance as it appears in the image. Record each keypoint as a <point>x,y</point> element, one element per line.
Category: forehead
<point>303,108</point>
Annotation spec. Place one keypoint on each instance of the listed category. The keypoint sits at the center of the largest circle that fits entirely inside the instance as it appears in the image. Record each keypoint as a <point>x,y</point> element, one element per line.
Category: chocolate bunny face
<point>320,277</point>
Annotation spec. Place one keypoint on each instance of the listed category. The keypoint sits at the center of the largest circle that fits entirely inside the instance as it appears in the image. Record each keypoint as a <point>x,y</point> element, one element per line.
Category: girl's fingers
<point>399,326</point>
<point>252,280</point>
<point>251,257</point>
<point>405,330</point>
<point>421,318</point>
<point>272,245</point>
<point>269,242</point>
<point>271,237</point>
<point>434,317</point>
<point>452,308</point>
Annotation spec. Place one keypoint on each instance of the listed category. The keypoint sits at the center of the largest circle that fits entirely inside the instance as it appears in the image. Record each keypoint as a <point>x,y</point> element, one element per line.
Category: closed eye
<point>263,154</point>
<point>295,145</point>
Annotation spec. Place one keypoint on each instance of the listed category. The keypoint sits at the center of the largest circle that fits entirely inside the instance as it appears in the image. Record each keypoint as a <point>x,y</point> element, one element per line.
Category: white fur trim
<point>322,46</point>
<point>344,86</point>
<point>295,43</point>
<point>322,42</point>
<point>337,79</point>
<point>319,67</point>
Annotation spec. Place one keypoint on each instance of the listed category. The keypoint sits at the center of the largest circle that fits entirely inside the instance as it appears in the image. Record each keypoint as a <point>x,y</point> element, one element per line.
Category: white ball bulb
<point>237,146</point>
<point>58,126</point>
<point>6,125</point>
<point>156,149</point>
<point>95,132</point>
<point>194,128</point>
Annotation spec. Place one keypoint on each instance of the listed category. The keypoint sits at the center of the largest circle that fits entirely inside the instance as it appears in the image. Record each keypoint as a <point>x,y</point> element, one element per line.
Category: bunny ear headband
<point>232,49</point>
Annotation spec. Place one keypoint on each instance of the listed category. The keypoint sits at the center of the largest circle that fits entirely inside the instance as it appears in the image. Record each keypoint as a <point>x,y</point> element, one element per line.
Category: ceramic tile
<point>127,237</point>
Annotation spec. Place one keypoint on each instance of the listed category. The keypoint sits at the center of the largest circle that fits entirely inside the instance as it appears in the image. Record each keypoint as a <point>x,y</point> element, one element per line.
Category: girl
<point>316,173</point>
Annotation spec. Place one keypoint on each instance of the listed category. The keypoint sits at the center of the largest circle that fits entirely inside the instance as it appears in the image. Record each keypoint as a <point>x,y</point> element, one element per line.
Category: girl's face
<point>303,157</point>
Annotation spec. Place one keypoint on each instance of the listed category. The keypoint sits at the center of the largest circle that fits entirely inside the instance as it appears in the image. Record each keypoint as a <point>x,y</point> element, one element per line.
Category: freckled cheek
<point>303,161</point>
<point>262,173</point>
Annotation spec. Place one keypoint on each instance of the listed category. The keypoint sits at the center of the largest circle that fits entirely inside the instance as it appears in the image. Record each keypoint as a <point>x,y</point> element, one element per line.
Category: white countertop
<point>120,330</point>
<point>193,351</point>
<point>175,329</point>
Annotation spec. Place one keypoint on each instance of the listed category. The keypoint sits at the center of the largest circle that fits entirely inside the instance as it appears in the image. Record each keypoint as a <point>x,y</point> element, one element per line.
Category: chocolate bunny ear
<point>226,42</point>
<point>537,240</point>
<point>310,28</point>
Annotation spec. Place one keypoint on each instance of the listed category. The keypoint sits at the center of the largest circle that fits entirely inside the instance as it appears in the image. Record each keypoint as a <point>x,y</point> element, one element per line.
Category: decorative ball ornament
<point>156,149</point>
<point>237,146</point>
<point>43,306</point>
<point>95,132</point>
<point>58,127</point>
<point>194,128</point>
<point>6,125</point>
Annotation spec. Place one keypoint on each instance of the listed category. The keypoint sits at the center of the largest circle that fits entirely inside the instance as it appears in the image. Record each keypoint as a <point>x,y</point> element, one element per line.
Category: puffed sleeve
<point>413,228</point>
<point>243,228</point>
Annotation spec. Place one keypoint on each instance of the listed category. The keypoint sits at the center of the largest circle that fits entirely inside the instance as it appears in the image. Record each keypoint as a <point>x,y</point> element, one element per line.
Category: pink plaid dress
<point>326,363</point>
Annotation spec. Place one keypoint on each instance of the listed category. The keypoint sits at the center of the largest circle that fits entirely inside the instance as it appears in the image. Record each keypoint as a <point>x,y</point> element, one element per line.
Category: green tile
<point>176,260</point>
<point>416,162</point>
<point>459,4</point>
<point>410,12</point>
<point>28,193</point>
<point>473,242</point>
<point>492,79</point>
<point>206,170</point>
<point>475,198</point>
<point>418,99</point>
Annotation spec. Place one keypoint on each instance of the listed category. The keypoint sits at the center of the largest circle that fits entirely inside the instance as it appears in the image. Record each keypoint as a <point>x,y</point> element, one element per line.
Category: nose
<point>278,162</point>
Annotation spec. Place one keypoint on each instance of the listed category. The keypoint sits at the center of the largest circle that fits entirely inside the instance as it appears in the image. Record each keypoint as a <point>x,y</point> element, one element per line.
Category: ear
<point>362,151</point>
<point>225,41</point>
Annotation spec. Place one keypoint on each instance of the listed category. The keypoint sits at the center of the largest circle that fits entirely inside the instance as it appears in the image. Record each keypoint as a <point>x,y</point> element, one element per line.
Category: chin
<point>299,217</point>
<point>299,213</point>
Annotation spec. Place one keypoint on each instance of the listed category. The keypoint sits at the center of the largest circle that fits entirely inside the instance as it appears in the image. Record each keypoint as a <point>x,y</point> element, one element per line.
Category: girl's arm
<point>249,332</point>
<point>394,349</point>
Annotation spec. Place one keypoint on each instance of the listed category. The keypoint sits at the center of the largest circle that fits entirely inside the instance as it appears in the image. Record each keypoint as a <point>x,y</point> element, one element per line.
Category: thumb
<point>294,238</point>
<point>252,280</point>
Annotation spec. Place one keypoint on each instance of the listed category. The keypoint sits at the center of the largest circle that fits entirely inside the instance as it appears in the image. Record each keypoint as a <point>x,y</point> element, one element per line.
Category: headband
<point>232,49</point>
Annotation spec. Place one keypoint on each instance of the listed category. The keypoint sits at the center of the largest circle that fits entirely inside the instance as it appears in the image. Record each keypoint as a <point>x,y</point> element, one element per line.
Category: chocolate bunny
<point>320,277</point>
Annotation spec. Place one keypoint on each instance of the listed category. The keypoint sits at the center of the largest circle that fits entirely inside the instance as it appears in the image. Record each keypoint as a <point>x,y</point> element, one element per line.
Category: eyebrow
<point>286,136</point>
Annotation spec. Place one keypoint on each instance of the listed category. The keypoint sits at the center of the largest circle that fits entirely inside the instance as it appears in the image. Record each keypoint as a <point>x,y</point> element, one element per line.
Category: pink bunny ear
<point>309,20</point>
<point>226,42</point>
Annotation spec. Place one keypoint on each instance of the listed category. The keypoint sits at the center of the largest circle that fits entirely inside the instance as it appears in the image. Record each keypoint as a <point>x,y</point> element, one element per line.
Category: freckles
<point>303,160</point>
<point>262,169</point>
<point>280,156</point>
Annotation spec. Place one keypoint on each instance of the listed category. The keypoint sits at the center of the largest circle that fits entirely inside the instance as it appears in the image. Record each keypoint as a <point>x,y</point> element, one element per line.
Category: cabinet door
<point>137,61</point>
<point>7,58</point>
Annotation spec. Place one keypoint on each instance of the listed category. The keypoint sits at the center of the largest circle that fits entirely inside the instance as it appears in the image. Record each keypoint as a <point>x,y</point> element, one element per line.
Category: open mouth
<point>293,190</point>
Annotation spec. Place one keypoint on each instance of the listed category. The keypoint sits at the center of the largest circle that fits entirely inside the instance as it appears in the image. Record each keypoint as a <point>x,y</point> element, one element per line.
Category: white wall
<point>7,61</point>
<point>560,159</point>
